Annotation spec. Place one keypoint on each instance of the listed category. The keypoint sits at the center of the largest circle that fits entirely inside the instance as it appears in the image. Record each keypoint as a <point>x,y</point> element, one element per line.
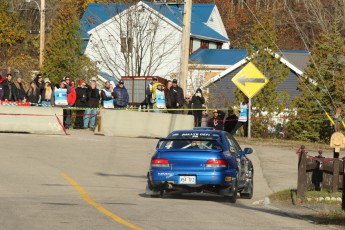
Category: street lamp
<point>42,29</point>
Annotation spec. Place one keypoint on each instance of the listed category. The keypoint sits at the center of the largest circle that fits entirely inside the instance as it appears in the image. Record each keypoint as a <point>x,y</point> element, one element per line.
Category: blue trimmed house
<point>145,39</point>
<point>220,66</point>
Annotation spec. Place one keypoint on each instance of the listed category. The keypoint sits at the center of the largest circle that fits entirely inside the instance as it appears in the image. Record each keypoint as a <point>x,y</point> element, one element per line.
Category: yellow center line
<point>99,207</point>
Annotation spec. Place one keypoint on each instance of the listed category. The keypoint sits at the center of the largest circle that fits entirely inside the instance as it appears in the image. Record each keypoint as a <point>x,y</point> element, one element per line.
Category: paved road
<point>84,181</point>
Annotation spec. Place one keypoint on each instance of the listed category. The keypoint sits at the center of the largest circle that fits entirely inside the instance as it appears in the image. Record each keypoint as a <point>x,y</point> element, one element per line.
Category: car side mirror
<point>247,151</point>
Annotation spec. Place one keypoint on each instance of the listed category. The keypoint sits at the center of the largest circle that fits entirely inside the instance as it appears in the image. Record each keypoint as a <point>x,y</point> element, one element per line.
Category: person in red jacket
<point>71,98</point>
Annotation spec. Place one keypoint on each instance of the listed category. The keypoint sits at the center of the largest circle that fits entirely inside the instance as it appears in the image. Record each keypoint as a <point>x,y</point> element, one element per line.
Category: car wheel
<point>249,192</point>
<point>232,199</point>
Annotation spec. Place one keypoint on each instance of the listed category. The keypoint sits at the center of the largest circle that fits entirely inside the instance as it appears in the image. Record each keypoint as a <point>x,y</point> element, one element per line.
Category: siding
<point>222,92</point>
<point>108,54</point>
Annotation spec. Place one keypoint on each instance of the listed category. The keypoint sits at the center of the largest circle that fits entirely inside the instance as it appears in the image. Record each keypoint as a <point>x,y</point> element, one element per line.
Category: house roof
<point>218,56</point>
<point>95,14</point>
<point>296,60</point>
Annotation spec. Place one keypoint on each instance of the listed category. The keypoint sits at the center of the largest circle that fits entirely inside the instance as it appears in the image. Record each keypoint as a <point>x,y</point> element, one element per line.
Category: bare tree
<point>136,42</point>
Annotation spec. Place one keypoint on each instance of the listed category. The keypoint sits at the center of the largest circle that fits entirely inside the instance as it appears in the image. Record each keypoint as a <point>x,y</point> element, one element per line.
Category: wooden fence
<point>319,173</point>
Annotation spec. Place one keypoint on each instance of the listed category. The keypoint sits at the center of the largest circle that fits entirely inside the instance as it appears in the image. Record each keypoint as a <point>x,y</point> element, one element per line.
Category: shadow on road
<point>119,175</point>
<point>239,204</point>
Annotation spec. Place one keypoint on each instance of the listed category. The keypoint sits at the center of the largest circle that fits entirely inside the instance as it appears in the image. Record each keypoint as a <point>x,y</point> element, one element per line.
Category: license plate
<point>187,179</point>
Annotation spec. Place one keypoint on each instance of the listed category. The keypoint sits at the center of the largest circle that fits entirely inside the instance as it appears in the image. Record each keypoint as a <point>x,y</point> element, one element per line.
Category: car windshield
<point>192,141</point>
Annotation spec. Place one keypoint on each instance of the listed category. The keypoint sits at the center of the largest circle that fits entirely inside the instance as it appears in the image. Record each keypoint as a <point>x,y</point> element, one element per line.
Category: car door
<point>241,159</point>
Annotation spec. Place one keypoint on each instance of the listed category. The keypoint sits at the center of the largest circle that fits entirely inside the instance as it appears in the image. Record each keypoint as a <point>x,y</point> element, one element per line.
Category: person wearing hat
<point>180,96</point>
<point>149,90</point>
<point>122,95</point>
<point>47,94</point>
<point>216,122</point>
<point>158,96</point>
<point>198,101</point>
<point>81,102</point>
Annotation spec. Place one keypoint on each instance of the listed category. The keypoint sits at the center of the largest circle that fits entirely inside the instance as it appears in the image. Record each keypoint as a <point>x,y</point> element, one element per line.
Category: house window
<point>205,44</point>
<point>219,45</point>
<point>212,45</point>
<point>196,44</point>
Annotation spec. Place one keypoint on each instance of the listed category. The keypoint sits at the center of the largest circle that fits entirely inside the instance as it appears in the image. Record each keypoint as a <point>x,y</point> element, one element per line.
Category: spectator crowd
<point>87,98</point>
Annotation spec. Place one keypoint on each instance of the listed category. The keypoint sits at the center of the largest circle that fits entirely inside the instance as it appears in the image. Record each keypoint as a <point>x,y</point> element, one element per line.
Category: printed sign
<point>60,97</point>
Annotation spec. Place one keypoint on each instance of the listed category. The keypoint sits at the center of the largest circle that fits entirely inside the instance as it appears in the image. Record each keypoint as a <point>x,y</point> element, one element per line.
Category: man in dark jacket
<point>122,95</point>
<point>93,97</point>
<point>180,96</point>
<point>9,89</point>
<point>81,102</point>
<point>230,121</point>
<point>198,100</point>
<point>216,122</point>
<point>170,98</point>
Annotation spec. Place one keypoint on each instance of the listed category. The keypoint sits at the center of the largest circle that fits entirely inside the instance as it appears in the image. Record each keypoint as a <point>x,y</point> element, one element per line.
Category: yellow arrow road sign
<point>250,80</point>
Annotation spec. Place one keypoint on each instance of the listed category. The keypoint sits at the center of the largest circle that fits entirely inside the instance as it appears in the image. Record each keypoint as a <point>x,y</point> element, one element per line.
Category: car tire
<point>232,199</point>
<point>249,195</point>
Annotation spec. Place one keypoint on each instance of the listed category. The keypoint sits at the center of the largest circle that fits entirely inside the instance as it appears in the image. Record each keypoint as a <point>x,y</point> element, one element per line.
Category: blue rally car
<point>200,160</point>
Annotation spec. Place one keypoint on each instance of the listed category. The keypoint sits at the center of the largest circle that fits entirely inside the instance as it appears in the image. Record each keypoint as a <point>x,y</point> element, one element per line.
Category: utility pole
<point>42,33</point>
<point>187,15</point>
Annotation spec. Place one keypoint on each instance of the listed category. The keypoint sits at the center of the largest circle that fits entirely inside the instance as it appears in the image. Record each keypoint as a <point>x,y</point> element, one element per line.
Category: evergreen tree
<point>268,101</point>
<point>63,55</point>
<point>323,85</point>
<point>13,37</point>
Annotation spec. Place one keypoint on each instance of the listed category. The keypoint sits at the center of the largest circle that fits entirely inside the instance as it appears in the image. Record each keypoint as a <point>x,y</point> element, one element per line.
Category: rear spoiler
<point>192,139</point>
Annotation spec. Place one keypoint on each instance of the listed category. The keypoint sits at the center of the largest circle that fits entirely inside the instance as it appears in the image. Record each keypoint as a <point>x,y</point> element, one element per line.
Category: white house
<point>145,39</point>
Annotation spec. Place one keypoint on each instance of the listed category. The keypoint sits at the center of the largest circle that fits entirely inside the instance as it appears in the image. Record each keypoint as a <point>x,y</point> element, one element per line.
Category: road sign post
<point>250,81</point>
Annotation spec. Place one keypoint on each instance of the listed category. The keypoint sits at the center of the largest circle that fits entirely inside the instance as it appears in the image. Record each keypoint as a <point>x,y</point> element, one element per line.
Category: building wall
<point>163,52</point>
<point>222,92</point>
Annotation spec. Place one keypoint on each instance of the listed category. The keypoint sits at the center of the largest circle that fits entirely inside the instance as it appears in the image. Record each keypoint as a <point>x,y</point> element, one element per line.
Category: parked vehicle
<point>201,160</point>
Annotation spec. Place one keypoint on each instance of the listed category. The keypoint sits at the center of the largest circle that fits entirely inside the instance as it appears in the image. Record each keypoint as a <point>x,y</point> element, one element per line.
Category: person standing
<point>108,96</point>
<point>93,97</point>
<point>71,98</point>
<point>47,95</point>
<point>338,117</point>
<point>33,94</point>
<point>122,95</point>
<point>39,81</point>
<point>243,118</point>
<point>9,89</point>
<point>187,106</point>
<point>216,122</point>
<point>230,121</point>
<point>81,102</point>
<point>204,118</point>
<point>180,96</point>
<point>20,89</point>
<point>149,91</point>
<point>198,101</point>
<point>170,98</point>
<point>158,96</point>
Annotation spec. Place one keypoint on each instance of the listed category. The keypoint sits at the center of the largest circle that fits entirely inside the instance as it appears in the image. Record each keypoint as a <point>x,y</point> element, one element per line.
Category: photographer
<point>198,100</point>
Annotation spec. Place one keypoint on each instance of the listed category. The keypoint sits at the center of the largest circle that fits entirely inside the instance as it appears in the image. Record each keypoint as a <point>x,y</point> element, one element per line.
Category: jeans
<point>67,113</point>
<point>90,115</point>
<point>157,110</point>
<point>46,103</point>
